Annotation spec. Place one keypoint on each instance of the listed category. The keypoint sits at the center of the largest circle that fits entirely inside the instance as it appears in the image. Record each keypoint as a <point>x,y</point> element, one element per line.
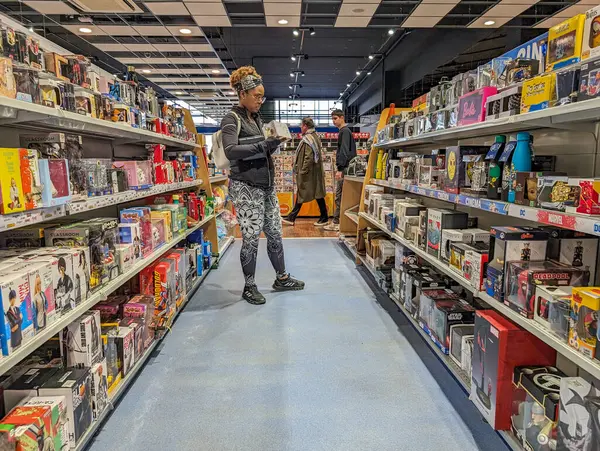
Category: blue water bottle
<point>521,161</point>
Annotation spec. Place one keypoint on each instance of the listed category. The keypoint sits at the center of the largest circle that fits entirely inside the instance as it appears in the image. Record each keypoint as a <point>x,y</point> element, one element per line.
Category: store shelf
<point>574,115</point>
<point>220,212</point>
<point>351,178</point>
<point>438,264</point>
<point>349,245</point>
<point>101,294</point>
<point>17,113</point>
<point>218,178</point>
<point>572,221</point>
<point>224,245</point>
<point>16,220</point>
<point>352,215</point>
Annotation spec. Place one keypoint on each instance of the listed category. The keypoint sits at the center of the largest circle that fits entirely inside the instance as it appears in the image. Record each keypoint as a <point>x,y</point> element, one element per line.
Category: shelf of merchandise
<point>219,213</point>
<point>18,113</point>
<point>573,221</point>
<point>560,117</point>
<point>352,178</point>
<point>16,220</point>
<point>218,178</point>
<point>224,245</point>
<point>352,215</point>
<point>101,294</point>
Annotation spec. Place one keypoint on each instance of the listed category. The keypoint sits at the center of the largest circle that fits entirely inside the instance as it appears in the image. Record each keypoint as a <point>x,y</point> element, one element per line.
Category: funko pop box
<point>573,248</point>
<point>585,306</point>
<point>437,221</point>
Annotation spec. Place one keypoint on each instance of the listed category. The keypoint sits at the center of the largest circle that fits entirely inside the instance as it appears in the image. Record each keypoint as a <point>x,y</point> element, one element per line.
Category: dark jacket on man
<point>310,178</point>
<point>346,150</point>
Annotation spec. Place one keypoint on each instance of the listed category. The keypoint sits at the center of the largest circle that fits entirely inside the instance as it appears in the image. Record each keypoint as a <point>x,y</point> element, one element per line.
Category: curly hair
<point>238,74</point>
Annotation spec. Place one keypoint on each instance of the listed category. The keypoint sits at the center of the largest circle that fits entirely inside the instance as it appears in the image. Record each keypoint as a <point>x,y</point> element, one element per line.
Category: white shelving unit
<point>218,178</point>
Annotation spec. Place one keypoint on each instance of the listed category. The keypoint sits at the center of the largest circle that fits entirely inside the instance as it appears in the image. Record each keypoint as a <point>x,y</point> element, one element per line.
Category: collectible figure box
<point>427,302</point>
<point>140,216</point>
<point>403,255</point>
<point>474,263</point>
<point>191,253</point>
<point>58,419</point>
<point>17,312</point>
<point>75,386</point>
<point>141,307</point>
<point>589,196</point>
<point>459,166</point>
<point>552,308</point>
<point>30,179</point>
<point>458,332</point>
<point>535,404</point>
<point>103,239</point>
<point>28,428</point>
<point>179,277</point>
<point>25,237</point>
<point>80,341</point>
<point>591,35</point>
<point>457,256</point>
<point>26,386</point>
<point>139,173</point>
<point>538,93</point>
<point>564,43</point>
<point>471,105</point>
<point>589,80</point>
<point>437,221</point>
<point>578,426</point>
<point>99,388</point>
<point>525,184</point>
<point>60,285</point>
<point>523,277</point>
<point>167,218</point>
<point>583,324</point>
<point>77,271</point>
<point>450,236</point>
<point>125,256</point>
<point>446,314</point>
<point>109,339</point>
<point>159,232</point>
<point>11,186</point>
<point>54,177</point>
<point>125,339</point>
<point>573,248</point>
<point>499,346</point>
<point>64,296</point>
<point>555,193</point>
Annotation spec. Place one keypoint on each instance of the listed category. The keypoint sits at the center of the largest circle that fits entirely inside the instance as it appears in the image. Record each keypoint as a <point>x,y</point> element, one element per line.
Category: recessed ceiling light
<point>291,87</point>
<point>146,71</point>
<point>231,93</point>
<point>347,85</point>
<point>185,31</point>
<point>216,71</point>
<point>489,22</point>
<point>371,57</point>
<point>312,31</point>
<point>282,22</point>
<point>179,93</point>
<point>391,31</point>
<point>291,74</point>
<point>296,32</point>
<point>31,29</point>
<point>293,58</point>
<point>341,93</point>
<point>357,72</point>
<point>368,73</point>
<point>85,30</point>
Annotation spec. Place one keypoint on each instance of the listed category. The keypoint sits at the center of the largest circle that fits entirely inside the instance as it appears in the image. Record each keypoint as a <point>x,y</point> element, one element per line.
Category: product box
<point>573,248</point>
<point>564,43</point>
<point>75,385</point>
<point>458,165</point>
<point>578,415</point>
<point>536,406</point>
<point>585,304</point>
<point>125,339</point>
<point>139,173</point>
<point>167,218</point>
<point>427,301</point>
<point>498,346</point>
<point>538,93</point>
<point>446,314</point>
<point>78,258</point>
<point>474,264</point>
<point>555,193</point>
<point>191,253</point>
<point>103,233</point>
<point>111,354</point>
<point>589,81</point>
<point>25,237</point>
<point>30,179</point>
<point>11,187</point>
<point>141,308</point>
<point>591,36</point>
<point>457,257</point>
<point>471,105</point>
<point>525,185</point>
<point>57,427</point>
<point>179,277</point>
<point>439,220</point>
<point>552,309</point>
<point>27,428</point>
<point>523,277</point>
<point>26,386</point>
<point>80,341</point>
<point>466,362</point>
<point>589,196</point>
<point>17,311</point>
<point>450,236</point>
<point>140,216</point>
<point>64,296</point>
<point>421,242</point>
<point>458,332</point>
<point>99,388</point>
<point>54,177</point>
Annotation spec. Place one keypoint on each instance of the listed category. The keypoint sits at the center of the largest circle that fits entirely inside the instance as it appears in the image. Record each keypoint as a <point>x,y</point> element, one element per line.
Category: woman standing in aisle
<point>251,183</point>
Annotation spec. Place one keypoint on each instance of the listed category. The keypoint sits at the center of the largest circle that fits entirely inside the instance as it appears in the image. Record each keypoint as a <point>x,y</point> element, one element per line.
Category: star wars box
<point>577,424</point>
<point>444,315</point>
<point>80,341</point>
<point>125,339</point>
<point>498,347</point>
<point>552,309</point>
<point>427,302</point>
<point>75,385</point>
<point>17,312</point>
<point>458,332</point>
<point>585,304</point>
<point>26,386</point>
<point>523,277</point>
<point>573,248</point>
<point>99,388</point>
<point>27,428</point>
<point>58,420</point>
<point>437,221</point>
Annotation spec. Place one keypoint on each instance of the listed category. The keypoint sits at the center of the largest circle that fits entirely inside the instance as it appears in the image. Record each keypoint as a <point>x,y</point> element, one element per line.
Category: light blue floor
<point>323,369</point>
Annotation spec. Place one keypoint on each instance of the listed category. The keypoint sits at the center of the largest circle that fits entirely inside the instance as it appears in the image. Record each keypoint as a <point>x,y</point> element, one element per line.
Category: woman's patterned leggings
<point>257,210</point>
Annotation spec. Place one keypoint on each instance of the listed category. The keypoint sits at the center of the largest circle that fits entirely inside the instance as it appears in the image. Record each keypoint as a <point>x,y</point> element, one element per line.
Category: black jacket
<point>249,153</point>
<point>346,149</point>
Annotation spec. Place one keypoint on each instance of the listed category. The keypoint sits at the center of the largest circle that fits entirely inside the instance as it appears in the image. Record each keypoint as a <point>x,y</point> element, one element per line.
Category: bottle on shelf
<point>521,161</point>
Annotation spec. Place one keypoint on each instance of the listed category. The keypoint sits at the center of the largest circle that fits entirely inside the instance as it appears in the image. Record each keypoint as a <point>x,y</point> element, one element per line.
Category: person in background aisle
<point>346,151</point>
<point>310,178</point>
<point>251,183</point>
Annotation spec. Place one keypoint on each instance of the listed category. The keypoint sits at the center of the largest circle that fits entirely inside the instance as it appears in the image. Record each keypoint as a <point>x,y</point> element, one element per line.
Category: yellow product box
<point>585,304</point>
<point>11,186</point>
<point>591,34</point>
<point>538,93</point>
<point>166,216</point>
<point>564,43</point>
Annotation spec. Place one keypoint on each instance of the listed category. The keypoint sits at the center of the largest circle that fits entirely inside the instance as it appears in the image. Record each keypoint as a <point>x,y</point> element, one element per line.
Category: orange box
<point>26,426</point>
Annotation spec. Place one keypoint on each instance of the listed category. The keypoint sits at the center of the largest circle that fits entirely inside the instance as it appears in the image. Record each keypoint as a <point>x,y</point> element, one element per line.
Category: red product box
<point>26,426</point>
<point>179,260</point>
<point>498,347</point>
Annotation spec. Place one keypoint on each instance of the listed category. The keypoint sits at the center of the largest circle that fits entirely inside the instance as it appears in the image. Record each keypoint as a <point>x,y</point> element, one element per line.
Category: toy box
<point>450,236</point>
<point>80,341</point>
<point>471,106</point>
<point>125,256</point>
<point>159,232</point>
<point>555,193</point>
<point>427,301</point>
<point>125,339</point>
<point>140,216</point>
<point>179,276</point>
<point>564,43</point>
<point>591,34</point>
<point>26,385</point>
<point>474,264</point>
<point>552,309</point>
<point>567,85</point>
<point>109,339</point>
<point>538,93</point>
<point>103,239</point>
<point>57,428</point>
<point>75,385</point>
<point>99,388</point>
<point>459,165</point>
<point>523,277</point>
<point>167,226</point>
<point>499,346</point>
<point>141,307</point>
<point>444,315</point>
<point>437,221</point>
<point>589,80</point>
<point>17,311</point>
<point>159,281</point>
<point>577,427</point>
<point>573,248</point>
<point>535,404</point>
<point>32,237</point>
<point>512,244</point>
<point>524,184</point>
<point>589,196</point>
<point>62,282</point>
<point>139,173</point>
<point>583,324</point>
<point>11,187</point>
<point>27,428</point>
<point>30,179</point>
<point>77,270</point>
<point>54,177</point>
<point>96,173</point>
<point>457,257</point>
<point>458,334</point>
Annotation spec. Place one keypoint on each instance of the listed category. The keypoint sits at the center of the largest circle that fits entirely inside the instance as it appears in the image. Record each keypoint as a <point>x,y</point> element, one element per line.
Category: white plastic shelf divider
<point>101,294</point>
<point>18,113</point>
<point>573,221</point>
<point>16,220</point>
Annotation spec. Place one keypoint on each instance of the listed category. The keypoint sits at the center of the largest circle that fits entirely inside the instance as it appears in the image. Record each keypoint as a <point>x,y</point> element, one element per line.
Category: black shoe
<point>321,222</point>
<point>288,284</point>
<point>253,296</point>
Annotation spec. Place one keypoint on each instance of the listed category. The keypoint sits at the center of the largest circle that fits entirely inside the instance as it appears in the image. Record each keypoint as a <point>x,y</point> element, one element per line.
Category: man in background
<point>346,151</point>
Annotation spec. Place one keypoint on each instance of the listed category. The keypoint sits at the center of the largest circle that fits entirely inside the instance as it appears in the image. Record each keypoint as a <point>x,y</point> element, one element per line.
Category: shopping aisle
<point>323,369</point>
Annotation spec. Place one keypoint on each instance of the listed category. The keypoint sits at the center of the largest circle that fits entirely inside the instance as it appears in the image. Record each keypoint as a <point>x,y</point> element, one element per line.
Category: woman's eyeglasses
<point>259,98</point>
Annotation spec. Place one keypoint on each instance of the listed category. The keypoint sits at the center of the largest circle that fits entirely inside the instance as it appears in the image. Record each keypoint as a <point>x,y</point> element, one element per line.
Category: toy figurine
<point>578,254</point>
<point>526,252</point>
